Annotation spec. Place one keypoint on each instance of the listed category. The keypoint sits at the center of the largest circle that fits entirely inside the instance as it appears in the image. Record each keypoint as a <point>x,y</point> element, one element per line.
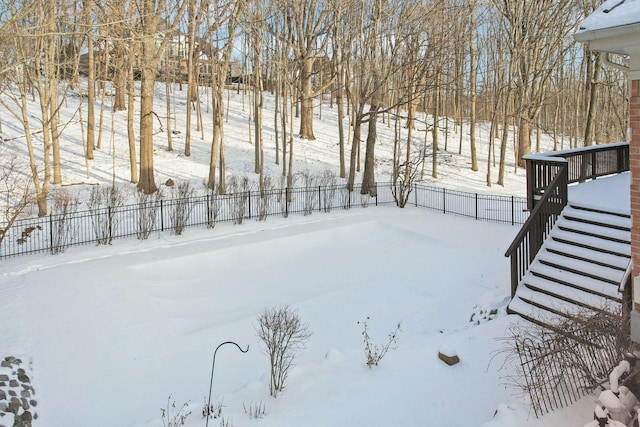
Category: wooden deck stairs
<point>580,267</point>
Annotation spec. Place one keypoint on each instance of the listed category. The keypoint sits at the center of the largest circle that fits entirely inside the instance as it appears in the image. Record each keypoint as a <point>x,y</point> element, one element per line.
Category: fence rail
<point>58,231</point>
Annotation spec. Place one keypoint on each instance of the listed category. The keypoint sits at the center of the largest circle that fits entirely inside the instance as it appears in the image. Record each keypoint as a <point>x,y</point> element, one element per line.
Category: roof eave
<point>621,40</point>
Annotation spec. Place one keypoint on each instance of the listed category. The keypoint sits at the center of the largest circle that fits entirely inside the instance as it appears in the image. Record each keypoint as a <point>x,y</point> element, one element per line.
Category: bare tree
<point>223,24</point>
<point>309,22</point>
<point>155,17</point>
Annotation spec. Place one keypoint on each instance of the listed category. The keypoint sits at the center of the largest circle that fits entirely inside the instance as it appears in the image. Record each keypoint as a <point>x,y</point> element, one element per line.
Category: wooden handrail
<point>531,236</point>
<point>548,176</point>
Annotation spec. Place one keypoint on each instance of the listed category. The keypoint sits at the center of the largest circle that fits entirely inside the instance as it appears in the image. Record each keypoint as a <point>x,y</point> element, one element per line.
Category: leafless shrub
<point>403,178</point>
<point>226,422</point>
<point>64,228</point>
<point>172,416</point>
<point>147,214</point>
<point>213,208</point>
<point>104,203</point>
<point>329,182</point>
<point>239,188</point>
<point>16,191</point>
<point>345,198</point>
<point>284,336</point>
<point>181,206</point>
<point>212,411</point>
<point>568,359</point>
<point>255,410</point>
<point>375,352</point>
<point>310,195</point>
<point>266,199</point>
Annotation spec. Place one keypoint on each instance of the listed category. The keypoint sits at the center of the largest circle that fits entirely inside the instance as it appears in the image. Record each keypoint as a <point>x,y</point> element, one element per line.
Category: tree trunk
<point>524,140</point>
<point>593,100</point>
<point>147,181</point>
<point>306,95</point>
<point>133,166</point>
<point>368,176</point>
<point>91,99</point>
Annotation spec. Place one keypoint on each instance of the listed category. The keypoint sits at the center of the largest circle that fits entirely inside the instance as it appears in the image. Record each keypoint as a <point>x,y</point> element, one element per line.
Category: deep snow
<point>111,333</point>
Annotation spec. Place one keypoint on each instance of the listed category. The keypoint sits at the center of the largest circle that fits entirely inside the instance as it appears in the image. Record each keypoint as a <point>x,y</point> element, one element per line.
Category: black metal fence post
<point>110,224</point>
<point>444,200</point>
<point>476,206</point>
<point>161,216</point>
<point>51,232</point>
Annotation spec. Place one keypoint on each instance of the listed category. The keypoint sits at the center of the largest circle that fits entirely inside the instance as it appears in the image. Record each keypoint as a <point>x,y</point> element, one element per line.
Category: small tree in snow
<point>284,336</point>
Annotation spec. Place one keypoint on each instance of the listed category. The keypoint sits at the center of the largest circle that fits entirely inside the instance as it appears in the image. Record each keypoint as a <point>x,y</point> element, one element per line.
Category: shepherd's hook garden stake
<point>213,364</point>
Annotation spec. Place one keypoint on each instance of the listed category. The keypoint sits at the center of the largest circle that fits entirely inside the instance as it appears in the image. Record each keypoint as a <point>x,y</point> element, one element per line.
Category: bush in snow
<point>265,199</point>
<point>172,416</point>
<point>239,189</point>
<point>284,336</point>
<point>104,203</point>
<point>375,352</point>
<point>310,196</point>
<point>63,229</point>
<point>182,206</point>
<point>255,410</point>
<point>147,215</point>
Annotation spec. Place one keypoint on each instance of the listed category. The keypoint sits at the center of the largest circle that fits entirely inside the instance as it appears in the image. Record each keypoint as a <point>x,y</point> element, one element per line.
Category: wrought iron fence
<point>557,373</point>
<point>103,225</point>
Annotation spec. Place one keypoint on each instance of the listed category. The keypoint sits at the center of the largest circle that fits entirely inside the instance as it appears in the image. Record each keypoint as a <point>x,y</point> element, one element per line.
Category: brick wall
<point>634,154</point>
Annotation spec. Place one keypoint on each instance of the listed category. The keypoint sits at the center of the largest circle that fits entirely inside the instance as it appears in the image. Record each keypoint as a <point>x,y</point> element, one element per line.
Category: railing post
<point>444,200</point>
<point>513,211</point>
<point>51,232</point>
<point>249,198</point>
<point>110,224</point>
<point>476,206</point>
<point>319,198</point>
<point>208,211</point>
<point>161,215</point>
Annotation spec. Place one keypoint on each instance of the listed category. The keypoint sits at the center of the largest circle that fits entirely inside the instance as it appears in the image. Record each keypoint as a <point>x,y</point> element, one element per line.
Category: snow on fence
<point>58,231</point>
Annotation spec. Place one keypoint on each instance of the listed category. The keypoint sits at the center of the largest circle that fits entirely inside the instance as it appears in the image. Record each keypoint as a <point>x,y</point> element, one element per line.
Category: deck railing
<point>582,163</point>
<point>548,176</point>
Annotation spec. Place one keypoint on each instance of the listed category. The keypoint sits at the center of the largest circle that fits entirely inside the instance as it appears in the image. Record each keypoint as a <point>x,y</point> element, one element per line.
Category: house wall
<point>634,194</point>
<point>634,164</point>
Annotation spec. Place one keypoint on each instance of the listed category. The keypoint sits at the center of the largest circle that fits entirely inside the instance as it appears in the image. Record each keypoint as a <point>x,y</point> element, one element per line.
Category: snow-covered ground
<point>112,332</point>
<point>109,334</point>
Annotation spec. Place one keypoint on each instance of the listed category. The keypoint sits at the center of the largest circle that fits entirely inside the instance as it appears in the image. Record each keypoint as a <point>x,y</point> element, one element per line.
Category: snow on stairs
<point>579,268</point>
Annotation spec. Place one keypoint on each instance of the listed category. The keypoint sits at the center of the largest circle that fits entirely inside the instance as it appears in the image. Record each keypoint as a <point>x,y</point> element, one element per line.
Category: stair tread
<point>597,230</point>
<point>523,308</point>
<point>611,219</point>
<point>617,261</point>
<point>585,267</point>
<point>583,282</point>
<point>602,244</point>
<point>566,292</point>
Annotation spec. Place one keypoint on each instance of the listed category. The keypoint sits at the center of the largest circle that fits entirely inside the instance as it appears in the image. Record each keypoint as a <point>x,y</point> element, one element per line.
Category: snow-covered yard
<point>110,333</point>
